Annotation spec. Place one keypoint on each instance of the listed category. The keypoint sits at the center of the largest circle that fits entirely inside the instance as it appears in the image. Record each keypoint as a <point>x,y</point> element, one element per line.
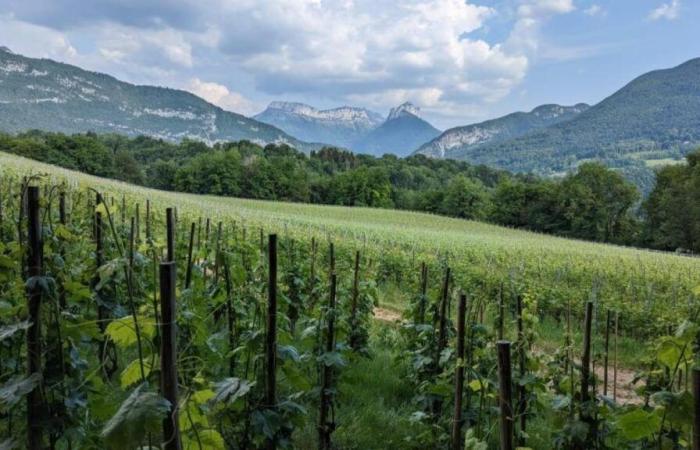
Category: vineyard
<point>134,318</point>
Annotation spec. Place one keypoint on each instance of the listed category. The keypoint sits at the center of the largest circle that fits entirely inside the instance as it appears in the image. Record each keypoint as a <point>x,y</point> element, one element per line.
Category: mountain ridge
<point>339,126</point>
<point>402,132</point>
<point>650,121</point>
<point>40,93</point>
<point>500,128</point>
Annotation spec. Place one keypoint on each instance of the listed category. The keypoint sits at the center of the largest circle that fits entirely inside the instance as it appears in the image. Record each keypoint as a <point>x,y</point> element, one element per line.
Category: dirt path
<point>625,389</point>
<point>386,315</point>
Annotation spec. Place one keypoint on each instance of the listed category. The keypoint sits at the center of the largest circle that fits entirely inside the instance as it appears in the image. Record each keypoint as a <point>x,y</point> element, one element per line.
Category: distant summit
<point>400,134</point>
<point>338,126</point>
<point>404,110</point>
<point>357,129</point>
<point>5,49</point>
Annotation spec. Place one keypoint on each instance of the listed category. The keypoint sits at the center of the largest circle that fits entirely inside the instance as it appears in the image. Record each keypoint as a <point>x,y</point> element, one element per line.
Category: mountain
<point>402,132</point>
<point>339,126</point>
<point>47,95</point>
<point>461,139</point>
<point>653,120</point>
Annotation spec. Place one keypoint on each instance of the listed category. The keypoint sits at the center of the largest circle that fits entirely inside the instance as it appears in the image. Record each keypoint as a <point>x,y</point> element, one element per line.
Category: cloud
<point>594,10</point>
<point>668,11</point>
<point>221,96</point>
<point>43,43</point>
<point>380,52</point>
<point>531,16</point>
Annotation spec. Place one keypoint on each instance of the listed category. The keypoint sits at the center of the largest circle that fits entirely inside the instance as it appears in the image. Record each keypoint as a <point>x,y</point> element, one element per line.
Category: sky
<point>459,61</point>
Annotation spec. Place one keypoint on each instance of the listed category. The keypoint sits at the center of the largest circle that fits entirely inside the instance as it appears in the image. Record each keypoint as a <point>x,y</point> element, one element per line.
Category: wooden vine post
<point>326,426</point>
<point>35,403</point>
<point>63,221</point>
<point>442,327</point>
<point>168,355</point>
<point>148,219</point>
<point>271,334</point>
<point>170,225</point>
<point>586,373</point>
<point>505,395</point>
<point>501,313</point>
<point>354,343</point>
<point>459,374</point>
<point>423,292</point>
<point>606,354</point>
<point>138,224</point>
<point>190,249</point>
<point>522,391</point>
<point>696,408</point>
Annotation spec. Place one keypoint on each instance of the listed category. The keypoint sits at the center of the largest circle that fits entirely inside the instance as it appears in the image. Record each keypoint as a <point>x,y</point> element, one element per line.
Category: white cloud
<point>381,51</point>
<point>532,14</point>
<point>220,95</point>
<point>35,40</point>
<point>594,10</point>
<point>668,11</point>
<point>377,52</point>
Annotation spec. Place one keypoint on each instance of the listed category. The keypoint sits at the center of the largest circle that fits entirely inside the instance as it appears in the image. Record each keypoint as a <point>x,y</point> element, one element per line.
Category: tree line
<point>592,203</point>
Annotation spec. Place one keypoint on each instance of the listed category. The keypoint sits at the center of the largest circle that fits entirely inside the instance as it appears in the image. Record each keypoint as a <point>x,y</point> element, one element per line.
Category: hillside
<point>382,227</point>
<point>462,139</point>
<point>401,133</point>
<point>655,119</point>
<point>339,126</point>
<point>47,95</point>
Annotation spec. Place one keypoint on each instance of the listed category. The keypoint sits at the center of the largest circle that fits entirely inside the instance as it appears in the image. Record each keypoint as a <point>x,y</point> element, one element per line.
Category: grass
<point>374,403</point>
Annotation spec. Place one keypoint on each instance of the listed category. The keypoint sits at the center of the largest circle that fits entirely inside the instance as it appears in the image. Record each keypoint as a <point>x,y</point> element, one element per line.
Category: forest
<point>592,203</point>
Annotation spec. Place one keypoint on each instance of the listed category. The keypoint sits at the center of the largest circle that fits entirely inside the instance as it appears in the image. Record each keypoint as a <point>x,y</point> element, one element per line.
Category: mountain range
<point>339,126</point>
<point>47,95</point>
<point>651,121</point>
<point>357,129</point>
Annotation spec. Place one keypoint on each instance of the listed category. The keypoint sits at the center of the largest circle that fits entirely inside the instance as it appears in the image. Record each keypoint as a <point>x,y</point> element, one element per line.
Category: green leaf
<point>203,396</point>
<point>230,390</point>
<point>475,385</point>
<point>669,353</point>
<point>209,440</point>
<point>77,291</point>
<point>123,331</point>
<point>332,359</point>
<point>6,262</point>
<point>62,232</point>
<point>560,402</point>
<point>9,330</point>
<point>132,373</point>
<point>638,424</point>
<point>16,389</point>
<point>141,413</point>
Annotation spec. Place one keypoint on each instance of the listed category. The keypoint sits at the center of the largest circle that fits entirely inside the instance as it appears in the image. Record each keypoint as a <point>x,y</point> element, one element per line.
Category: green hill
<point>655,119</point>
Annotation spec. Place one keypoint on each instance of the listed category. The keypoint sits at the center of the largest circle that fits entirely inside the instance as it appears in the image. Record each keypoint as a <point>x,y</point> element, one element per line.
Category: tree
<point>672,211</point>
<point>595,203</point>
<point>465,198</point>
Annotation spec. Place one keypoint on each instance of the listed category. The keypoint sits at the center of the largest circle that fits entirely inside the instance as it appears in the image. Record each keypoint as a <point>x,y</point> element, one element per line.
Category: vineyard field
<point>136,318</point>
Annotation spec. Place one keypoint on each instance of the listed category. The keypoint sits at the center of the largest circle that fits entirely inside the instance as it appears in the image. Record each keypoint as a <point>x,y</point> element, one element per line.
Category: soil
<point>625,389</point>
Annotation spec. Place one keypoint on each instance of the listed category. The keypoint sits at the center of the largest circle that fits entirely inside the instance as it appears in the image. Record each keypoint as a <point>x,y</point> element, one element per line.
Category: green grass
<point>374,403</point>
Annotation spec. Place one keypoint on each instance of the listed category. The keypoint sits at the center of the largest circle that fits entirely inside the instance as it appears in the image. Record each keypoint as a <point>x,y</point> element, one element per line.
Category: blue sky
<point>459,61</point>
